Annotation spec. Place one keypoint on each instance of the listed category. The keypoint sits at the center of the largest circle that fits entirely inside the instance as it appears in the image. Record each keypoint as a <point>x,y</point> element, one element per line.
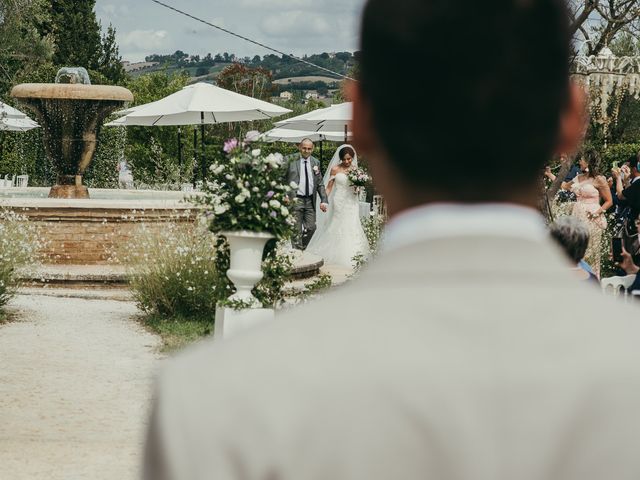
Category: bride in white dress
<point>339,234</point>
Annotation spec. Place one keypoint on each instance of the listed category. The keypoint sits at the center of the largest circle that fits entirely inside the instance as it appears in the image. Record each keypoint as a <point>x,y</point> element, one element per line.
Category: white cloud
<point>295,23</point>
<point>144,40</point>
<point>275,4</point>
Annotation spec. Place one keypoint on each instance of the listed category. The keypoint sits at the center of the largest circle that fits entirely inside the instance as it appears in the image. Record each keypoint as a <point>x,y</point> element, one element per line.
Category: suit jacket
<point>293,175</point>
<point>455,358</point>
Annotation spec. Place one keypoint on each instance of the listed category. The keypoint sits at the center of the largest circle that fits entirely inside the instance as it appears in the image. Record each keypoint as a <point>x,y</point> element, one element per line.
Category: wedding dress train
<point>342,237</point>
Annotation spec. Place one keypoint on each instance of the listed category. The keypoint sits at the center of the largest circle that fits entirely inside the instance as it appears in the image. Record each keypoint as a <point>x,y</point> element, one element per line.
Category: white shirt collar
<point>445,220</point>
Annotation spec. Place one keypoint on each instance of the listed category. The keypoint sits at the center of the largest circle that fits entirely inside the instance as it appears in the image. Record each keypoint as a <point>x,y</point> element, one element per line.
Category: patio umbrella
<point>17,124</point>
<point>296,136</point>
<point>331,119</point>
<point>7,111</point>
<point>200,104</point>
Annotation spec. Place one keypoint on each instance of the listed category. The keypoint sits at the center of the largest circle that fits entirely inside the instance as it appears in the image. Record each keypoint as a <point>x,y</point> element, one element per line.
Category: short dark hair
<point>495,82</point>
<point>344,150</point>
<point>573,236</point>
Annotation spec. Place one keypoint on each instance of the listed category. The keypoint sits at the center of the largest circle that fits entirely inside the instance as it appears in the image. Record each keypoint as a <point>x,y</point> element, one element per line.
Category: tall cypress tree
<point>77,34</point>
<point>110,60</point>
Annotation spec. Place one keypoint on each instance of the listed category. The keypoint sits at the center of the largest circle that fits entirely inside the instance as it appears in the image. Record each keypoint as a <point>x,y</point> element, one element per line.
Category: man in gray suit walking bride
<point>304,171</point>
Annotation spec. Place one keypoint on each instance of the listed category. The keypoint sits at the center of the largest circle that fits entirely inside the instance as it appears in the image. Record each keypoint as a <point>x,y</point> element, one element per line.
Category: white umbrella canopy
<point>296,136</point>
<point>7,111</point>
<point>17,124</point>
<point>201,103</point>
<point>331,119</point>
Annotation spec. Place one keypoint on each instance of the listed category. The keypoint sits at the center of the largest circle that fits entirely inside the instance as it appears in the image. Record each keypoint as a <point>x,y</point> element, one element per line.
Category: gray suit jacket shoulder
<point>479,357</point>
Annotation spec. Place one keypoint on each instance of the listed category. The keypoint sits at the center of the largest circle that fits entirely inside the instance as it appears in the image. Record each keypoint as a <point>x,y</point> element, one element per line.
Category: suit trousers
<point>304,212</point>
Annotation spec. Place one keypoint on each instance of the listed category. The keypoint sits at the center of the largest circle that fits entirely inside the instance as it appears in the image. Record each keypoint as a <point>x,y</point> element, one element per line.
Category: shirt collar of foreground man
<point>459,220</point>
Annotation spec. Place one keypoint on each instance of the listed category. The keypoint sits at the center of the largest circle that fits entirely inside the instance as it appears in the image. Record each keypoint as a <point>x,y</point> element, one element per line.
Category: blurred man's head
<point>443,79</point>
<point>572,234</point>
<point>306,148</point>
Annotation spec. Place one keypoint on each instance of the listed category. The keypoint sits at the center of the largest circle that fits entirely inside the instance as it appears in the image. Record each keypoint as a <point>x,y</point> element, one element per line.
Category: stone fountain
<point>71,111</point>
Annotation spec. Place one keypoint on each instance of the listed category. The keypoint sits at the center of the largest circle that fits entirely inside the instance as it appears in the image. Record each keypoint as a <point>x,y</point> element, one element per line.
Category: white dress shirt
<point>309,172</point>
<point>444,220</point>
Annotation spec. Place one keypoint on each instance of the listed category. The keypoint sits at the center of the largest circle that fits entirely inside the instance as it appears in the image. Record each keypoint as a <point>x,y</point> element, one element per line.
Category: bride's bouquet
<point>246,192</point>
<point>358,177</point>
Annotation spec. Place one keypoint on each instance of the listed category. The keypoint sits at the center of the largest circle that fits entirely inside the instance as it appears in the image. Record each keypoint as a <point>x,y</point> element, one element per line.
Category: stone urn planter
<point>245,270</point>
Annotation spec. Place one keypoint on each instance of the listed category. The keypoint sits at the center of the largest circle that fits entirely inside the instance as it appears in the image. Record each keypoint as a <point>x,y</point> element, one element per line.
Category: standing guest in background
<point>572,235</point>
<point>464,350</point>
<point>125,175</point>
<point>593,200</point>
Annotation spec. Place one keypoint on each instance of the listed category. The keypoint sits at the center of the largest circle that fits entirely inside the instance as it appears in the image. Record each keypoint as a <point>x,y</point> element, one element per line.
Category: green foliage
<point>373,227</point>
<point>77,34</point>
<point>178,332</point>
<point>23,48</point>
<point>19,246</point>
<point>153,152</point>
<point>179,271</point>
<point>102,170</point>
<point>617,153</point>
<point>173,270</point>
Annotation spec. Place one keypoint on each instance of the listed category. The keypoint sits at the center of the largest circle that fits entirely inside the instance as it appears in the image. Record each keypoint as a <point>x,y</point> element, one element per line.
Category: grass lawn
<point>176,332</point>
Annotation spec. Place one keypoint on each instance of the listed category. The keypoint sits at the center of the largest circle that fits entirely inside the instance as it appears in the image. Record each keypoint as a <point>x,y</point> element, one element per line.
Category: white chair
<point>612,285</point>
<point>9,180</point>
<point>22,180</point>
<point>379,206</point>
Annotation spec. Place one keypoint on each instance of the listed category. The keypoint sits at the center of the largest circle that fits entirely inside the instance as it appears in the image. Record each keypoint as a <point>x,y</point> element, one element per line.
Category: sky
<point>296,27</point>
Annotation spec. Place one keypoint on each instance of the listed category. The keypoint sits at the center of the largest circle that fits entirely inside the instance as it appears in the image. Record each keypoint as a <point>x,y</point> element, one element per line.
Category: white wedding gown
<point>342,236</point>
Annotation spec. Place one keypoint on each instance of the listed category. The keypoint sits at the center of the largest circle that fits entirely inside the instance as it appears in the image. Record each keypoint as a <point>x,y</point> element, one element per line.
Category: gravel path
<point>75,378</point>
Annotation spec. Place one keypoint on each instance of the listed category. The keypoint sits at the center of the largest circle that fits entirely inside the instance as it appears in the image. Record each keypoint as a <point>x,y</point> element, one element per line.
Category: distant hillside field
<point>308,78</point>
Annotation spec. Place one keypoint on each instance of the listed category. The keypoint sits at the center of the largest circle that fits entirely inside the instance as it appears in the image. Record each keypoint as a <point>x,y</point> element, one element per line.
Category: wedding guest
<point>572,235</point>
<point>464,350</point>
<point>593,200</point>
<point>629,195</point>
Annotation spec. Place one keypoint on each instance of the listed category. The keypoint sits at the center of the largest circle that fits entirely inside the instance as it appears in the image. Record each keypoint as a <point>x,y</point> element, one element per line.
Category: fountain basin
<point>71,115</point>
<point>89,231</point>
<point>81,235</point>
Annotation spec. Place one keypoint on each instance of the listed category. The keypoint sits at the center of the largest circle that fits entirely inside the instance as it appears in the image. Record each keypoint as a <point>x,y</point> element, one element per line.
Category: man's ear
<point>362,125</point>
<point>573,121</point>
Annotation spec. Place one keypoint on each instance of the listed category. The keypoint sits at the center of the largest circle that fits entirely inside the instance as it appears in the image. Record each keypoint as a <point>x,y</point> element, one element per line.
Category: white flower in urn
<point>293,185</point>
<point>284,211</point>
<point>220,209</point>
<point>255,152</point>
<point>240,198</point>
<point>275,203</point>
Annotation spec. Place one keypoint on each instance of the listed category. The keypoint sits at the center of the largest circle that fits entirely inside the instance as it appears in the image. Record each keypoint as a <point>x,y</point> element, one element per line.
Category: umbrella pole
<point>321,164</point>
<point>346,134</point>
<point>180,154</point>
<point>203,167</point>
<point>195,157</point>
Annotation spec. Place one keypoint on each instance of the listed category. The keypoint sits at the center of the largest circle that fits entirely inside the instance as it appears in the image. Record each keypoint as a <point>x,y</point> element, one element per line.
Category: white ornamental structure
<point>607,78</point>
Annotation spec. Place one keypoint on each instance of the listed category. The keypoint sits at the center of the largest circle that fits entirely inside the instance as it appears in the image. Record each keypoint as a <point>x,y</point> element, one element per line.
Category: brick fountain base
<point>82,234</point>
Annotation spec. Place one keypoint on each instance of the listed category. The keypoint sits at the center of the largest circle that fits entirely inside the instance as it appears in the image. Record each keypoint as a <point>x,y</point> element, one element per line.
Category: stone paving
<point>75,382</point>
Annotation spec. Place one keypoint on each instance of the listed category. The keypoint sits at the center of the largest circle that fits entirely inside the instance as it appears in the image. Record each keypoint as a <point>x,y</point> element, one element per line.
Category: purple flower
<point>270,193</point>
<point>230,145</point>
<point>273,214</point>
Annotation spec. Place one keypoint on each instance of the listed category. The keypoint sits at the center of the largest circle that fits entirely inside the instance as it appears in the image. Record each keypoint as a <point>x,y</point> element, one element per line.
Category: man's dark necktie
<point>306,179</point>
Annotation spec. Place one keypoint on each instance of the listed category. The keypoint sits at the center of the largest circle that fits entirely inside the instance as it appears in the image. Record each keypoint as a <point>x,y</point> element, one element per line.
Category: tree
<point>110,60</point>
<point>77,34</point>
<point>596,23</point>
<point>254,82</point>
<point>23,48</point>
